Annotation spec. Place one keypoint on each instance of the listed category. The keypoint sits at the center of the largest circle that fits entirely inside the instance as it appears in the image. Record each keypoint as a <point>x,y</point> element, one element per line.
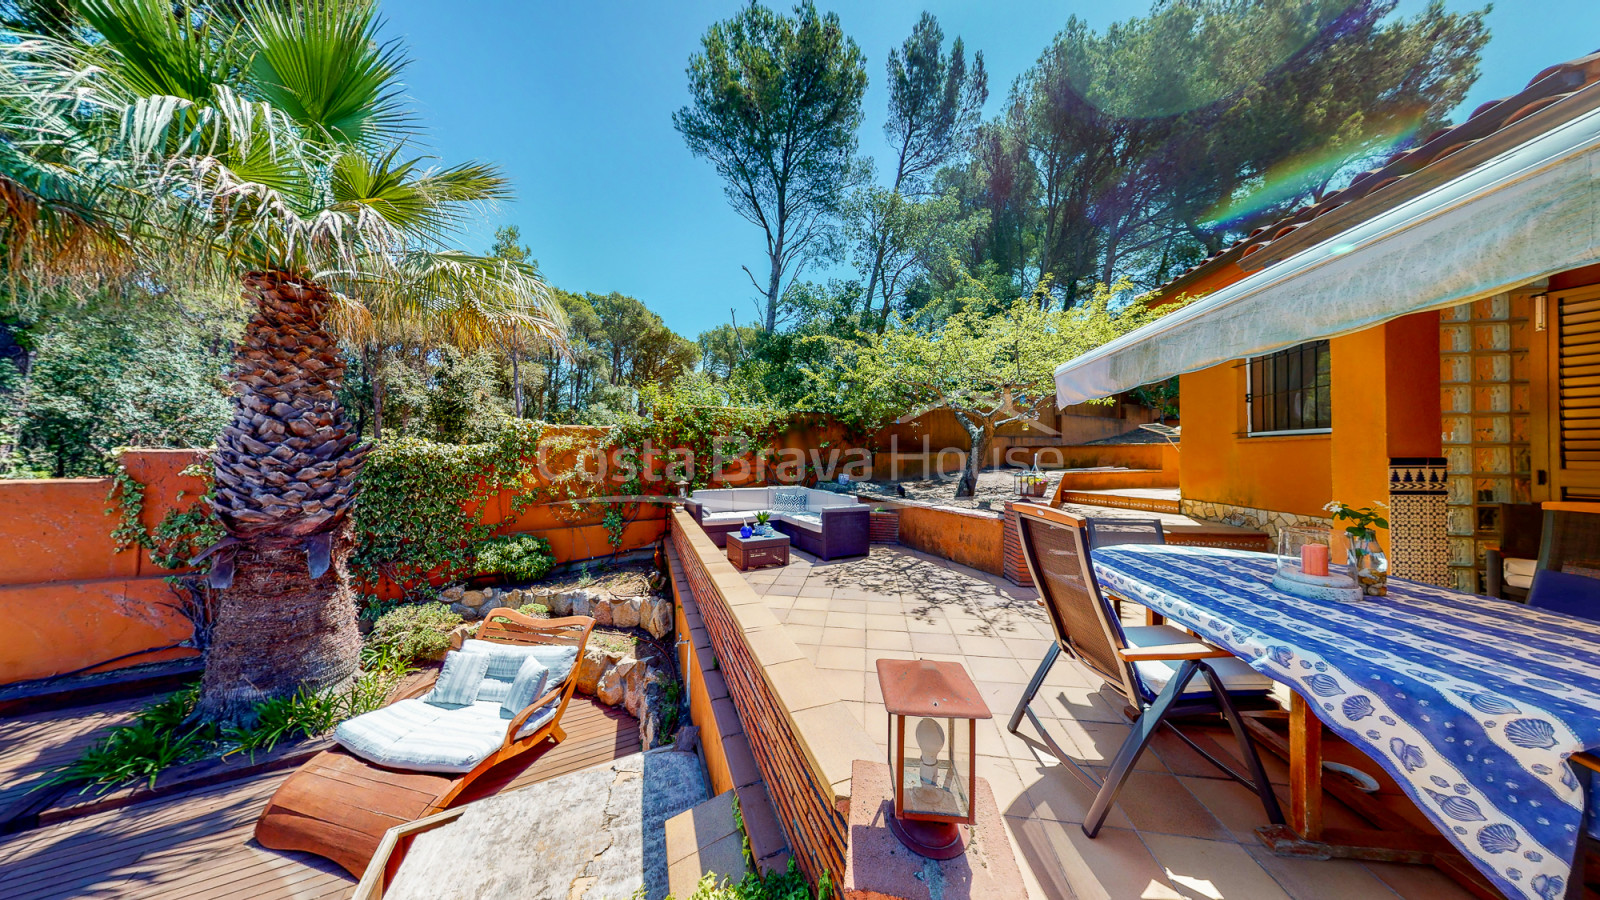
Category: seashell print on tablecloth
<point>1493,704</point>
<point>1531,733</point>
<point>1548,886</point>
<point>1357,708</point>
<point>1459,808</point>
<point>1324,685</point>
<point>1409,756</point>
<point>1498,838</point>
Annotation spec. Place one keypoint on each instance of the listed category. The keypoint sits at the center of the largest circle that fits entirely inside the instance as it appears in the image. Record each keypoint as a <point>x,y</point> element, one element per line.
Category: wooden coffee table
<point>757,552</point>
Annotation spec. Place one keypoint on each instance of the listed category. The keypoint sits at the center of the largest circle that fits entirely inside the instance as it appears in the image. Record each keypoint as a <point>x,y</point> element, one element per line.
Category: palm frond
<point>160,48</point>
<point>321,63</point>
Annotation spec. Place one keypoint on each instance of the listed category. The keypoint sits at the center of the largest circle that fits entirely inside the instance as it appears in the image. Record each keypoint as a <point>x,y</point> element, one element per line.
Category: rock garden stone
<point>464,611</point>
<point>459,635</point>
<point>655,715</point>
<point>452,594</point>
<point>613,684</point>
<point>633,690</point>
<point>655,616</point>
<point>582,603</point>
<point>625,613</point>
<point>490,605</point>
<point>603,612</point>
<point>473,599</point>
<point>594,664</point>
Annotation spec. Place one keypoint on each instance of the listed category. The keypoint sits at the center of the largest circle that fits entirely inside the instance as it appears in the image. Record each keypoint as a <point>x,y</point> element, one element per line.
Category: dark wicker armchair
<point>1563,536</point>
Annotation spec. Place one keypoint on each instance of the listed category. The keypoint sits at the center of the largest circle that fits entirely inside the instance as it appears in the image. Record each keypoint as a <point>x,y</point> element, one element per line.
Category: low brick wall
<point>803,739</point>
<point>971,537</point>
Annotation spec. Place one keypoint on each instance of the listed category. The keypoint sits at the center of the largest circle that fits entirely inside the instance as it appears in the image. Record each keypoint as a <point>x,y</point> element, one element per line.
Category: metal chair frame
<point>1154,709</point>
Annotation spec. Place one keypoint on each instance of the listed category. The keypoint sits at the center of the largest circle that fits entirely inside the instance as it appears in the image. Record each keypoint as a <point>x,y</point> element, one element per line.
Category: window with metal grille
<point>1289,390</point>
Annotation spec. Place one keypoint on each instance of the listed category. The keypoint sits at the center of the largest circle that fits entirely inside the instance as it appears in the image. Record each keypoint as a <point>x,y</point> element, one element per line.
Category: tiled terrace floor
<point>1181,830</point>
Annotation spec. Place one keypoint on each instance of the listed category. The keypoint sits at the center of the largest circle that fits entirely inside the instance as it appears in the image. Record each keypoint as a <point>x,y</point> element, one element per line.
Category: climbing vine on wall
<point>420,511</point>
<point>180,535</point>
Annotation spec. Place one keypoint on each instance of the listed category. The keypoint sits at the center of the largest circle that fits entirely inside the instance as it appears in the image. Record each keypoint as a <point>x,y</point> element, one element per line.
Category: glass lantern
<point>1304,551</point>
<point>934,710</point>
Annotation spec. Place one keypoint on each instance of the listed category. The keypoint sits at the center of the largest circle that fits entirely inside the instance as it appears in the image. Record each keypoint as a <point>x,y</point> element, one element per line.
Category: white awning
<point>1529,213</point>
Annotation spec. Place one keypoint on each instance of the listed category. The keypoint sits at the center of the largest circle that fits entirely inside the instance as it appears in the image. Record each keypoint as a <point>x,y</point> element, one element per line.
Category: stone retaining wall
<point>803,739</point>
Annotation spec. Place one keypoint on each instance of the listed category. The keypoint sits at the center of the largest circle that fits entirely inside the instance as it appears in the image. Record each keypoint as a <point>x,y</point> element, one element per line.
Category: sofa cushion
<point>1519,572</point>
<point>751,499</point>
<point>790,499</point>
<point>459,680</point>
<point>820,500</point>
<point>810,521</point>
<point>506,659</point>
<point>422,737</point>
<point>722,518</point>
<point>528,686</point>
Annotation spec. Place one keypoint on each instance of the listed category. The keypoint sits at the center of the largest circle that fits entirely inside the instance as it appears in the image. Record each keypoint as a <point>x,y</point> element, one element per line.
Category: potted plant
<point>762,528</point>
<point>1368,564</point>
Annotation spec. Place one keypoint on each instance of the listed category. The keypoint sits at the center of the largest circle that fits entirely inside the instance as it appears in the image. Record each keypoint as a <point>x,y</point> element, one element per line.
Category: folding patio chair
<point>1110,532</point>
<point>1152,666</point>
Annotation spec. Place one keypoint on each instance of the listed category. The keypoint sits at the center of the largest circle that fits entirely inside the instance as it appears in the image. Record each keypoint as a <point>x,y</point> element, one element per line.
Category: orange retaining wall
<point>973,538</point>
<point>71,601</point>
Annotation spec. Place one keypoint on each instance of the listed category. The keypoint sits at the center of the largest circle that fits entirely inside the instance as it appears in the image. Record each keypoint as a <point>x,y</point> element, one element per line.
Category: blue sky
<point>574,101</point>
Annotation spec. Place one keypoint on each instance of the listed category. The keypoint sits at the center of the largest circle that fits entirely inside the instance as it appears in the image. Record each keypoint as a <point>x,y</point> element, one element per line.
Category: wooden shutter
<point>1578,383</point>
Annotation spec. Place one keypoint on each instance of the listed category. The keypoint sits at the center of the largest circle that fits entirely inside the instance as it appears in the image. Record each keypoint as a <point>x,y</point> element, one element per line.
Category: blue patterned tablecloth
<point>1472,704</point>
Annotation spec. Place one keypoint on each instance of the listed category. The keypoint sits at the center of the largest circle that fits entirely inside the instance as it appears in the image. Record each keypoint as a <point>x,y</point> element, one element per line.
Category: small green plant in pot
<point>763,519</point>
<point>1368,564</point>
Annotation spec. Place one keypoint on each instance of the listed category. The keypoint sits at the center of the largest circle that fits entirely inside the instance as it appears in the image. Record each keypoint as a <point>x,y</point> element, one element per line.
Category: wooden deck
<point>198,844</point>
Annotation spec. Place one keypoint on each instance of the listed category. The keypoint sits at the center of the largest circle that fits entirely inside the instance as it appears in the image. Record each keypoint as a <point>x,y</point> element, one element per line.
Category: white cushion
<point>1519,572</point>
<point>528,686</point>
<point>422,737</point>
<point>722,518</point>
<point>459,680</point>
<point>506,659</point>
<point>1236,673</point>
<point>820,500</point>
<point>810,521</point>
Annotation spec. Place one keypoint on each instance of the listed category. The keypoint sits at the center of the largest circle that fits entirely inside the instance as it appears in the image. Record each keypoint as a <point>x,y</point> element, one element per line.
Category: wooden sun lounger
<point>339,806</point>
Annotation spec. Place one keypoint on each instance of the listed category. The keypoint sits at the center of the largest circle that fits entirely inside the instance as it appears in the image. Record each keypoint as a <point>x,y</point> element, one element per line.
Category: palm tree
<point>273,144</point>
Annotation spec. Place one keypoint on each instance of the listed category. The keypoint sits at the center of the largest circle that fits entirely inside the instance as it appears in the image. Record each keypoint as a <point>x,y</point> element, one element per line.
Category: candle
<point>1314,559</point>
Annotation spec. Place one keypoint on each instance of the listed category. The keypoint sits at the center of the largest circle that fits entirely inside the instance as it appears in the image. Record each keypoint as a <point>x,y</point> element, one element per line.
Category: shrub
<point>156,739</point>
<point>537,610</point>
<point>521,557</point>
<point>313,713</point>
<point>791,885</point>
<point>414,632</point>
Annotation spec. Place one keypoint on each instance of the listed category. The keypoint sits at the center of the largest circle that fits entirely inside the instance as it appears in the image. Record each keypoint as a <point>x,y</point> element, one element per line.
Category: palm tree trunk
<point>286,469</point>
<point>279,630</point>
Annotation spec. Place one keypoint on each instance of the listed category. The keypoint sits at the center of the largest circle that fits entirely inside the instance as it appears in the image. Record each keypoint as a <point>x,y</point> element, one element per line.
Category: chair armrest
<point>1195,650</point>
<point>521,718</point>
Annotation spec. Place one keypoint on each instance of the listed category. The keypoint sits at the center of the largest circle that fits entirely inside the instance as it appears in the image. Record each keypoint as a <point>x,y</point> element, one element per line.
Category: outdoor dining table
<point>1472,704</point>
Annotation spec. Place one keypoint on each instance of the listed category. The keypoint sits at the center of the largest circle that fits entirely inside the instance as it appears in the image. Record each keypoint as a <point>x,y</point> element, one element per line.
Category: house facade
<point>1428,338</point>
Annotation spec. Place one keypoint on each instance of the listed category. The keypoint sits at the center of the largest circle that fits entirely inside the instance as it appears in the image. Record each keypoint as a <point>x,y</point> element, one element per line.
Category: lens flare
<point>1296,176</point>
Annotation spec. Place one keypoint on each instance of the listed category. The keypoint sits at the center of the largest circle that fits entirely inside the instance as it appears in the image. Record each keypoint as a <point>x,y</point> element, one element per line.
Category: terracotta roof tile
<point>1548,89</point>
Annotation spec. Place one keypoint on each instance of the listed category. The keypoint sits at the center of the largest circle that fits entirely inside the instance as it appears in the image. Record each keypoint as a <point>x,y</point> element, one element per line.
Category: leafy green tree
<point>1136,151</point>
<point>908,242</point>
<point>934,107</point>
<point>775,103</point>
<point>265,145</point>
<point>987,370</point>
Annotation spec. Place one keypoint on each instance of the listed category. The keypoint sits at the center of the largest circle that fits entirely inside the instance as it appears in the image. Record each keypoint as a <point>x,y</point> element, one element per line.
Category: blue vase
<point>745,532</point>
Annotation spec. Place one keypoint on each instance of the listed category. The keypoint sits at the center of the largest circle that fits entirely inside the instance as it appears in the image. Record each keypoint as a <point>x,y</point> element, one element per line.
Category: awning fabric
<point>1529,213</point>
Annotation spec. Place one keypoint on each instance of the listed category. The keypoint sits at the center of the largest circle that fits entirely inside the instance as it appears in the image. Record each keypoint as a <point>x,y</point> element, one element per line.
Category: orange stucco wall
<point>969,537</point>
<point>1385,396</point>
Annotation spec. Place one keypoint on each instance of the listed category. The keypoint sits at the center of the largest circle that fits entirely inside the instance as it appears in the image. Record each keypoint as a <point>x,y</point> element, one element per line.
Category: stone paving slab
<point>598,834</point>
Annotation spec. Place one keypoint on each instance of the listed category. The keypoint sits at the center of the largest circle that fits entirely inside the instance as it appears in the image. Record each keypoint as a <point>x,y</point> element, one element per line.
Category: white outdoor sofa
<point>824,524</point>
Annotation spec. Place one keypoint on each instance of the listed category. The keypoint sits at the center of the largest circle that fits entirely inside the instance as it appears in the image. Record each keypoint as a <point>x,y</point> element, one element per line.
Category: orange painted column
<point>1360,445</point>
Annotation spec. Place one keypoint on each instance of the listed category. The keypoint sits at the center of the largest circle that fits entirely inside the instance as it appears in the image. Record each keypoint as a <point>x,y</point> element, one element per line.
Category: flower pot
<point>1369,567</point>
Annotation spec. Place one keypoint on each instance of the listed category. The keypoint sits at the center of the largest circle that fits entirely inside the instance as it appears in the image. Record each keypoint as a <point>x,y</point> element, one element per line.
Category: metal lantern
<point>934,710</point>
<point>1030,483</point>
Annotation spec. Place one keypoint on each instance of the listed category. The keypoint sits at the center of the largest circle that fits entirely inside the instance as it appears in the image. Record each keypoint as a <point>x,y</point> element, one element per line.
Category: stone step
<point>1143,501</point>
<point>705,840</point>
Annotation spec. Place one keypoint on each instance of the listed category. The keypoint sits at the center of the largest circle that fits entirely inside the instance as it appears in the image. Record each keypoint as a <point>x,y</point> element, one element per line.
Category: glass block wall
<point>1485,402</point>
